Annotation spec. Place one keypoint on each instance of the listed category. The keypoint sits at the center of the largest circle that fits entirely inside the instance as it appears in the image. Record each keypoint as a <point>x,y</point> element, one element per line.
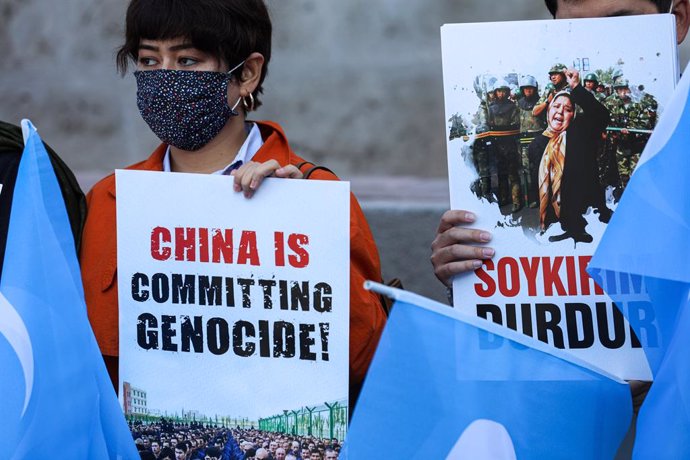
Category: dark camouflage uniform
<point>550,90</point>
<point>649,111</point>
<point>530,127</point>
<point>480,153</point>
<point>627,147</point>
<point>457,127</point>
<point>504,116</point>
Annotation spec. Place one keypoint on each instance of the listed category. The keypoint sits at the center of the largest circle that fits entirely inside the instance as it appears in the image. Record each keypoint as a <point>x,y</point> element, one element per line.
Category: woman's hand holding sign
<point>249,176</point>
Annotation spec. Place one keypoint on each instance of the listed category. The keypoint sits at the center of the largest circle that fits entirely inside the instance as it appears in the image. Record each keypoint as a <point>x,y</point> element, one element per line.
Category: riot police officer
<point>530,127</point>
<point>558,83</point>
<point>627,136</point>
<point>591,84</point>
<point>457,127</point>
<point>504,123</point>
<point>480,148</point>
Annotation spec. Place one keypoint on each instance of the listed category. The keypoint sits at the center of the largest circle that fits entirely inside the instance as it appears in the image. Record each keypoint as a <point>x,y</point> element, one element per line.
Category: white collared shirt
<point>251,145</point>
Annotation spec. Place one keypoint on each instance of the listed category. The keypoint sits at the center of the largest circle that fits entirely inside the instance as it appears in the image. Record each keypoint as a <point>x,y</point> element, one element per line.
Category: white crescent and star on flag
<point>14,330</point>
<point>484,439</point>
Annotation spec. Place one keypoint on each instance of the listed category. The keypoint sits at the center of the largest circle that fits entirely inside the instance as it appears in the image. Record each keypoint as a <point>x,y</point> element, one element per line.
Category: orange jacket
<point>99,260</point>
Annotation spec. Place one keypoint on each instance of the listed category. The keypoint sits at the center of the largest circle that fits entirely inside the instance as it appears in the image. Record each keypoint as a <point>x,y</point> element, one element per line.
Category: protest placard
<point>232,310</point>
<point>546,121</point>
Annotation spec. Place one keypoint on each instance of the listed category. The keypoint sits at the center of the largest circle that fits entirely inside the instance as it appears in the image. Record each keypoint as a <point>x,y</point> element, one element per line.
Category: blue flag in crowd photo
<point>57,400</point>
<point>445,384</point>
<point>646,251</point>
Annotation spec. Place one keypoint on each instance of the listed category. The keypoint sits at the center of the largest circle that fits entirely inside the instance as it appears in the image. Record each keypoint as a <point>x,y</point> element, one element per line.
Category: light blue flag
<point>56,400</point>
<point>643,262</point>
<point>445,384</point>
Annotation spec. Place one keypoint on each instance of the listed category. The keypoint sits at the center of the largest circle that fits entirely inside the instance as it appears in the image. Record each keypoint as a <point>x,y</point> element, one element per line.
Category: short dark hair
<point>229,29</point>
<point>661,5</point>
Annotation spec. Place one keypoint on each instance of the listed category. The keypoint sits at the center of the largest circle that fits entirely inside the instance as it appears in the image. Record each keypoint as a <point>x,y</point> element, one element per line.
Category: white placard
<point>232,307</point>
<point>534,285</point>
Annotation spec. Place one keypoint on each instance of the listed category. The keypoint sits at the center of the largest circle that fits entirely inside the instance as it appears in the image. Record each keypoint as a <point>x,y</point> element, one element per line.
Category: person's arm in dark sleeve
<point>597,114</point>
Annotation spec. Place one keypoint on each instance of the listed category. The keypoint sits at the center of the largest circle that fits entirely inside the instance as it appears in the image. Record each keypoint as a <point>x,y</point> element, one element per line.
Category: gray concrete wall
<point>357,85</point>
<point>403,234</point>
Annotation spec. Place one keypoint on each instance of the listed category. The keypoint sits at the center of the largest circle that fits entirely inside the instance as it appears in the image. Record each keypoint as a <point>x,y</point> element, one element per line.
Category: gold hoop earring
<point>248,106</point>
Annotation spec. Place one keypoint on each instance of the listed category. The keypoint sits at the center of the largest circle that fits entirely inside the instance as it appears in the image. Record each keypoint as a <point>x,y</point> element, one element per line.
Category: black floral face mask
<point>185,108</point>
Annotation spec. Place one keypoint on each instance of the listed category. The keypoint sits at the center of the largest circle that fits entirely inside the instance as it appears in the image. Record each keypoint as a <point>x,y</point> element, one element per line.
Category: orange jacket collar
<point>275,147</point>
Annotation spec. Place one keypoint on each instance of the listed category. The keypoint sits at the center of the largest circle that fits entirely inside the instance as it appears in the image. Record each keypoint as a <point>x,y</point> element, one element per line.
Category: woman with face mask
<point>566,154</point>
<point>200,67</point>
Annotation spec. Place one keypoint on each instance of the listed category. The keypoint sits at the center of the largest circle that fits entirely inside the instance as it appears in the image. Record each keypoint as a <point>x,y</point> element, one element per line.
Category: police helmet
<point>592,77</point>
<point>528,80</point>
<point>558,68</point>
<point>622,83</point>
<point>502,84</point>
